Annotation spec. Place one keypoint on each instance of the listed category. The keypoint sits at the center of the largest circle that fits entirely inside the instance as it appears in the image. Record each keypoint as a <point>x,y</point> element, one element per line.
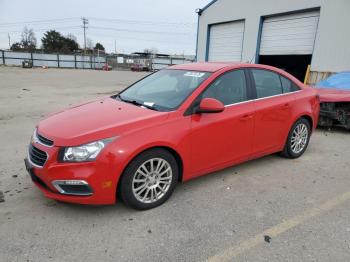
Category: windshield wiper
<point>136,103</point>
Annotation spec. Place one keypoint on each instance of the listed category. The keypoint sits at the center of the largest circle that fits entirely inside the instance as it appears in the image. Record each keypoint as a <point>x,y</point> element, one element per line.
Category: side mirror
<point>210,105</point>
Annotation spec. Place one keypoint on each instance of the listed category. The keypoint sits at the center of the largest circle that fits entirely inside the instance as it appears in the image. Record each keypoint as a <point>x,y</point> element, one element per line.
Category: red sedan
<point>174,125</point>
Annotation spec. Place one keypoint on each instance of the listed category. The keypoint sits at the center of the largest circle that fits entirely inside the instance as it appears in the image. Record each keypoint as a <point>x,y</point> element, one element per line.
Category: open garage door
<point>226,41</point>
<point>287,41</point>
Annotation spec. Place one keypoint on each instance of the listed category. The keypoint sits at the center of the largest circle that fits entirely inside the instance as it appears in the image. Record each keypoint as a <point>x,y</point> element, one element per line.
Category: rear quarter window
<point>288,86</point>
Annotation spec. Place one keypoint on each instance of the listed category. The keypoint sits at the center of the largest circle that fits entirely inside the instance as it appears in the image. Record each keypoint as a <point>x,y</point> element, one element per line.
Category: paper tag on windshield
<point>194,74</point>
<point>148,104</point>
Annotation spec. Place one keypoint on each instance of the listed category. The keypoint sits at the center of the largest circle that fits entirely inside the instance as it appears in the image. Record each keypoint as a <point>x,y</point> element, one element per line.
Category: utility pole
<point>8,35</point>
<point>85,22</point>
<point>115,47</point>
<point>98,57</point>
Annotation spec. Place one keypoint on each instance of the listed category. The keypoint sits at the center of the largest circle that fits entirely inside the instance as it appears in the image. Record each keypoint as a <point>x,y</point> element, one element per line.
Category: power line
<point>139,31</point>
<point>38,21</point>
<point>85,22</point>
<point>44,29</point>
<point>142,39</point>
<point>123,21</point>
<point>140,22</point>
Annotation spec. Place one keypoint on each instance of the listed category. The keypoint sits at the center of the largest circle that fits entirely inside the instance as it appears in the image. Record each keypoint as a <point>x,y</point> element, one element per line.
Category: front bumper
<point>98,179</point>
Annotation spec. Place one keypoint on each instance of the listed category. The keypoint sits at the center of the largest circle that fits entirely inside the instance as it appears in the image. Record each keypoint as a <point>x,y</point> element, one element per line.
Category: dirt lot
<point>271,209</point>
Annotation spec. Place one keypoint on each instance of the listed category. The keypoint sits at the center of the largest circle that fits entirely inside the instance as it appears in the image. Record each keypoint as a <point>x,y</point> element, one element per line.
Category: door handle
<point>246,117</point>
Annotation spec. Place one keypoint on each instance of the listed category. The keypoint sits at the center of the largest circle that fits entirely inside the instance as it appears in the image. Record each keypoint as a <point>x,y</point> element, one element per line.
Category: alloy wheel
<point>152,180</point>
<point>299,138</point>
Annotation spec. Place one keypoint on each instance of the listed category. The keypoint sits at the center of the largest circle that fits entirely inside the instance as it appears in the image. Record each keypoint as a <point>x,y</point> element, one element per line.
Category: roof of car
<point>216,66</point>
<point>208,66</point>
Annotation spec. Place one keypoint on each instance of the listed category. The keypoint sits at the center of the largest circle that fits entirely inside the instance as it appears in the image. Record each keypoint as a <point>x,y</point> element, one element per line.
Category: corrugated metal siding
<point>331,51</point>
<point>289,34</point>
<point>226,41</point>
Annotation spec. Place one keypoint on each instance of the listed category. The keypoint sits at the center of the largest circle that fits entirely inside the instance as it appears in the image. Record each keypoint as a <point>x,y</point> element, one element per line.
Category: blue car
<point>338,81</point>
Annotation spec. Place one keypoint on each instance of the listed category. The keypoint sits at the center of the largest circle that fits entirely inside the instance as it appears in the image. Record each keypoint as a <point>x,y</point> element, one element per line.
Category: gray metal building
<point>290,34</point>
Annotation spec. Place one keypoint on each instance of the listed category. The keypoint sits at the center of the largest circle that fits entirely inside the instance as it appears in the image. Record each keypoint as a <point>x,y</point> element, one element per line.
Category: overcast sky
<point>167,25</point>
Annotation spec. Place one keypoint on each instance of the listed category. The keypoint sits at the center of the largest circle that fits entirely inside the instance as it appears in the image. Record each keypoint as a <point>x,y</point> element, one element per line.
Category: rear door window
<point>267,83</point>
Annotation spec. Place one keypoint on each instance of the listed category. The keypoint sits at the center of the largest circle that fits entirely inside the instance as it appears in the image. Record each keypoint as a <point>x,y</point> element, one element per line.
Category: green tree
<point>99,46</point>
<point>53,41</point>
<point>70,44</point>
<point>16,46</point>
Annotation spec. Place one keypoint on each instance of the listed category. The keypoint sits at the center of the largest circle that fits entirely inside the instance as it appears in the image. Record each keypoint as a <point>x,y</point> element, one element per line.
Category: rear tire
<point>298,139</point>
<point>149,179</point>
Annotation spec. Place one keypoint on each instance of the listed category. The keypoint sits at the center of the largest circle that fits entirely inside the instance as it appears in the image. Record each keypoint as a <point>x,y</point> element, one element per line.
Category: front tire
<point>298,139</point>
<point>149,179</point>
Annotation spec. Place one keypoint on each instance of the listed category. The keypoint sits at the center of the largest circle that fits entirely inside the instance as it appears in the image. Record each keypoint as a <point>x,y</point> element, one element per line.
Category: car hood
<point>333,95</point>
<point>103,118</point>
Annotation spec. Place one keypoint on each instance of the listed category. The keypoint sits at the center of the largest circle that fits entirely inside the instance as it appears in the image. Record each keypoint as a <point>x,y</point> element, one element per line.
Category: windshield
<point>164,90</point>
<point>339,81</point>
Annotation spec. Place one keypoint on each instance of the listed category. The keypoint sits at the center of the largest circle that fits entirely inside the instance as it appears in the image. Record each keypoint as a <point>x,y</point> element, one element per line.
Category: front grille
<point>37,156</point>
<point>38,180</point>
<point>44,140</point>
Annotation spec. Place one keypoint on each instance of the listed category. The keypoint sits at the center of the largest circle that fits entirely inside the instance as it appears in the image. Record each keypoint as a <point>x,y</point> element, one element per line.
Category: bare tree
<point>28,40</point>
<point>72,37</point>
<point>89,44</point>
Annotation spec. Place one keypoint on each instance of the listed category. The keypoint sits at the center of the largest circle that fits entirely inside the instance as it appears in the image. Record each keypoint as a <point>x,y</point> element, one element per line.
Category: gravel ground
<point>270,209</point>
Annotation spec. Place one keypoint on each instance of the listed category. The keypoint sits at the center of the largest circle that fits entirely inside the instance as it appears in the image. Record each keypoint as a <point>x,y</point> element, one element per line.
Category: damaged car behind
<point>334,95</point>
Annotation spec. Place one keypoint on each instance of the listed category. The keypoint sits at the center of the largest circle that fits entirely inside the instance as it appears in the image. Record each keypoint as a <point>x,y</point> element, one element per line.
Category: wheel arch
<point>306,116</point>
<point>171,150</point>
<point>177,157</point>
<point>309,119</point>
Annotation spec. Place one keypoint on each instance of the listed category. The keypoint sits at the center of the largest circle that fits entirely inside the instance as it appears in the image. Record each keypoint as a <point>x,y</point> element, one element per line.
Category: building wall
<point>332,45</point>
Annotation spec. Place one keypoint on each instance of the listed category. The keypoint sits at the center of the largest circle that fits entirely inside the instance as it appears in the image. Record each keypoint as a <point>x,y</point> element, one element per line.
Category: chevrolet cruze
<point>171,126</point>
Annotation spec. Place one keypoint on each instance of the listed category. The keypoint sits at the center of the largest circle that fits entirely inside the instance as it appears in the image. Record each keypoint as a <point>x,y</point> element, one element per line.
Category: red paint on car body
<point>333,95</point>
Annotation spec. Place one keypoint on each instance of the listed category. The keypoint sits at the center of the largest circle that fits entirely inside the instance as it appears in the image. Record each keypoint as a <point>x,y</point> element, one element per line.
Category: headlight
<point>34,138</point>
<point>87,152</point>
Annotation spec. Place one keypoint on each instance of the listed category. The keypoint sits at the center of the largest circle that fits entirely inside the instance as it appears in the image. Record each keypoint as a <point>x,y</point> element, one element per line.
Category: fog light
<point>73,187</point>
<point>74,182</point>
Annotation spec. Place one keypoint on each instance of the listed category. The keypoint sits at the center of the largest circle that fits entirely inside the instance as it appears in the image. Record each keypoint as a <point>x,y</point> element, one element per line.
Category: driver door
<point>221,139</point>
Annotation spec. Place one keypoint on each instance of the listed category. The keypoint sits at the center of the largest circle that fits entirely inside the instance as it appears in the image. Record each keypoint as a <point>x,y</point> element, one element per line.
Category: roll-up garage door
<point>292,34</point>
<point>226,41</point>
